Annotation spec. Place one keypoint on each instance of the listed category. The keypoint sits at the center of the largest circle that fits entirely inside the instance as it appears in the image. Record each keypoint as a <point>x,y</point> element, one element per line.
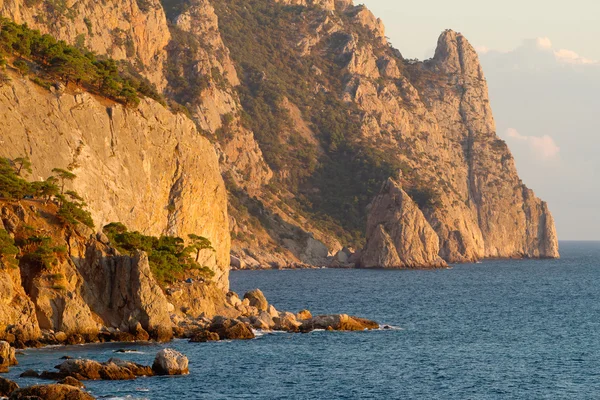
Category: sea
<point>526,329</point>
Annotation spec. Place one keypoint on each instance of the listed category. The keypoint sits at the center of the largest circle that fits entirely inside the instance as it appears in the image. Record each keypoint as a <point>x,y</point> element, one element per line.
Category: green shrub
<point>168,256</point>
<point>8,250</point>
<point>58,60</point>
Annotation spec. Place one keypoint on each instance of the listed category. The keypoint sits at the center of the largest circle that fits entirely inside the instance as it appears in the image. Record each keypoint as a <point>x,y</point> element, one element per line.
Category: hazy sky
<point>414,26</point>
<point>542,63</point>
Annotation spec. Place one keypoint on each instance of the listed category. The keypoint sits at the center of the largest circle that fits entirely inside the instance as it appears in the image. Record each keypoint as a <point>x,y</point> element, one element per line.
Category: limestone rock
<point>170,362</point>
<point>136,369</point>
<point>124,171</point>
<point>17,311</point>
<point>122,29</point>
<point>122,289</point>
<point>81,369</point>
<point>228,328</point>
<point>239,153</point>
<point>272,311</point>
<point>7,356</point>
<point>257,299</point>
<point>341,322</point>
<point>398,234</point>
<point>303,315</point>
<point>287,322</point>
<point>205,336</point>
<point>70,381</point>
<point>201,299</point>
<point>54,392</point>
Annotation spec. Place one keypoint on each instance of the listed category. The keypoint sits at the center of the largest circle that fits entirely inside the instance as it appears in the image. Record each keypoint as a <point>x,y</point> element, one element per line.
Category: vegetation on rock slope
<point>170,259</point>
<point>333,185</point>
<point>49,59</point>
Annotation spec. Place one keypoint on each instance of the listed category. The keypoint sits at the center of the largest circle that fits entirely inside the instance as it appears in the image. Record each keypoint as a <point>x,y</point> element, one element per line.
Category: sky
<point>542,63</point>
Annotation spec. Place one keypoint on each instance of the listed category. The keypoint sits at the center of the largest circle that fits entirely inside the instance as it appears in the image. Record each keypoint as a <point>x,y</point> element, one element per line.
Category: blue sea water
<point>496,330</point>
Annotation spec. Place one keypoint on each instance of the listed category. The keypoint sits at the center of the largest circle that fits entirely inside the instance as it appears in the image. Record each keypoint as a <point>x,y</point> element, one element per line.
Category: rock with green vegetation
<point>111,181</point>
<point>310,109</point>
<point>133,32</point>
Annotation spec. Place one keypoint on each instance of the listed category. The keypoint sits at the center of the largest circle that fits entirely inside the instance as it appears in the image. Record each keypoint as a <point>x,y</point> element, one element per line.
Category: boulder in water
<point>287,322</point>
<point>229,328</point>
<point>170,362</point>
<point>338,322</point>
<point>257,299</point>
<point>29,374</point>
<point>205,336</point>
<point>7,356</point>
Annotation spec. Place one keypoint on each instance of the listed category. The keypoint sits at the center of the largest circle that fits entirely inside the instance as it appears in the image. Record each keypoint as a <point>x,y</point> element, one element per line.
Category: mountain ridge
<point>309,111</point>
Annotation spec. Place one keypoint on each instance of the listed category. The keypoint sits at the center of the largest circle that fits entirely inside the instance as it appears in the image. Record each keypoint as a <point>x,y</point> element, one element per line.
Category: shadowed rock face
<point>123,292</point>
<point>398,235</point>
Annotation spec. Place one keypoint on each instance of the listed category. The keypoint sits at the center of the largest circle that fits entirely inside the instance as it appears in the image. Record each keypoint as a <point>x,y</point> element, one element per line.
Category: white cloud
<point>544,43</point>
<point>482,49</point>
<point>571,57</point>
<point>542,146</point>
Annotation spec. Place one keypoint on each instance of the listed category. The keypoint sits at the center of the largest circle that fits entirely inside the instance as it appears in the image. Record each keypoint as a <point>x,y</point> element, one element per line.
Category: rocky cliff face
<point>398,235</point>
<point>199,59</point>
<point>146,168</point>
<point>84,286</point>
<point>430,120</point>
<point>289,91</point>
<point>130,30</point>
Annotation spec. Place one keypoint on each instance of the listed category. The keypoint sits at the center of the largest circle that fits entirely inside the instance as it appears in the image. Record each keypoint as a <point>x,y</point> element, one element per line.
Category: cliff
<point>67,281</point>
<point>398,235</point>
<point>129,30</point>
<point>146,168</point>
<point>430,122</point>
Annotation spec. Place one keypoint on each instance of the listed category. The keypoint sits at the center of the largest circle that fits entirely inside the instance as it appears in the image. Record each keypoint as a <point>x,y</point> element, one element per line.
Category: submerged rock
<point>170,362</point>
<point>338,322</point>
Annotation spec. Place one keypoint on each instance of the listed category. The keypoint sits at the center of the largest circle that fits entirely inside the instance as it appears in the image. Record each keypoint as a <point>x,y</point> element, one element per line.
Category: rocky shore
<point>71,372</point>
<point>244,317</point>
